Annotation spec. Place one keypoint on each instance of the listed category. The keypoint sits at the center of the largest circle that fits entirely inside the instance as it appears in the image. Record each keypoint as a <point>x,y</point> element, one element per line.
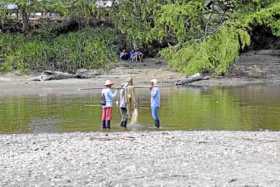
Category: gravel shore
<point>141,159</point>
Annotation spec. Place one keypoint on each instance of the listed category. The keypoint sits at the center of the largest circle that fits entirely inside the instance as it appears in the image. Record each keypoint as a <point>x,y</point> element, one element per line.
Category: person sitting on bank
<point>107,104</point>
<point>155,102</point>
<point>136,56</point>
<point>124,55</point>
<point>139,55</point>
<point>123,105</point>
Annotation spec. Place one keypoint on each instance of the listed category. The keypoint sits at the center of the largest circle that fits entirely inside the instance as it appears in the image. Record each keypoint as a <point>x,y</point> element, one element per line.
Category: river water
<point>247,108</point>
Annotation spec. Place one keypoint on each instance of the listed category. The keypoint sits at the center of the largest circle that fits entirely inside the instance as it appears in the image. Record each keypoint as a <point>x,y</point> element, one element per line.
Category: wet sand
<point>141,159</point>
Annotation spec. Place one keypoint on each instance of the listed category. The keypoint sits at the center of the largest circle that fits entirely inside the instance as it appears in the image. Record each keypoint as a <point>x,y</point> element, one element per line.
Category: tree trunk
<point>25,20</point>
<point>2,25</point>
<point>57,75</point>
<point>17,14</point>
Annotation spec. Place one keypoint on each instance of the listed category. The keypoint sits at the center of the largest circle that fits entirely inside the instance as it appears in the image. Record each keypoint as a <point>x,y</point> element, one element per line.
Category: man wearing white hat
<point>107,104</point>
<point>155,101</point>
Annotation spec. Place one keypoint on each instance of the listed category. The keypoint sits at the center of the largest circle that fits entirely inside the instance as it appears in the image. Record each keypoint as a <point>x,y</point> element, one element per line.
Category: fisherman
<point>107,104</point>
<point>123,105</point>
<point>131,98</point>
<point>155,102</point>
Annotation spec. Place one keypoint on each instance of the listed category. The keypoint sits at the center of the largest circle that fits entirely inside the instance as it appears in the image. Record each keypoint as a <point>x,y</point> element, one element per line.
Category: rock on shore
<point>141,159</point>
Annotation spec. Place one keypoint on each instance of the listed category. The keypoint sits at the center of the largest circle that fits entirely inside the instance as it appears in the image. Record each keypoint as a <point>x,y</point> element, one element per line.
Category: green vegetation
<point>214,53</point>
<point>193,36</point>
<point>88,48</point>
<point>217,51</point>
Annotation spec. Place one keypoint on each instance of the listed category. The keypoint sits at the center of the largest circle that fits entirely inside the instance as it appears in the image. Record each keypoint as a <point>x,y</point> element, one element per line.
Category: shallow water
<point>246,108</point>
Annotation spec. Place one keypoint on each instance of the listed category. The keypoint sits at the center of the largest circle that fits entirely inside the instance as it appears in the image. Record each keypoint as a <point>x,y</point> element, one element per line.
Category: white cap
<point>154,81</point>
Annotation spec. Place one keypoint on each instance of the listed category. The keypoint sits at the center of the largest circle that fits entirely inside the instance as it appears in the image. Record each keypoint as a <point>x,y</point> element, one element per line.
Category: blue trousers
<point>155,114</point>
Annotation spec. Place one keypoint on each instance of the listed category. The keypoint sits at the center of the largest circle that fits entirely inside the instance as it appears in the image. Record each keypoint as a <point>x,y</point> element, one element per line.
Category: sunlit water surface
<point>247,109</point>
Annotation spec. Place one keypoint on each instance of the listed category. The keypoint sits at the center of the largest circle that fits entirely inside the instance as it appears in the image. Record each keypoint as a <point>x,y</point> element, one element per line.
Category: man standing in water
<point>123,105</point>
<point>155,101</point>
<point>107,104</point>
<point>131,98</point>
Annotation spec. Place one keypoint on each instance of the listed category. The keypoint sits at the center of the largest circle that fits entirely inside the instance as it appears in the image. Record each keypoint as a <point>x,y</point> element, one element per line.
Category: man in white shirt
<point>123,105</point>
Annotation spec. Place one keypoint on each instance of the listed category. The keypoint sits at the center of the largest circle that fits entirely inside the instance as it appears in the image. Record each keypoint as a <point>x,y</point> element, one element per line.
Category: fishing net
<point>134,117</point>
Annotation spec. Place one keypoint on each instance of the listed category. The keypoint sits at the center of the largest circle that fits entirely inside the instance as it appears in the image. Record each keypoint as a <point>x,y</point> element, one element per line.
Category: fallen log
<point>193,78</point>
<point>87,74</point>
<point>57,75</point>
<point>53,75</point>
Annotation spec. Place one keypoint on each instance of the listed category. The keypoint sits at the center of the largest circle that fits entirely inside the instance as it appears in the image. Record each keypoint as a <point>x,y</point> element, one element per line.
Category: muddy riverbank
<point>141,159</point>
<point>21,85</point>
<point>254,67</point>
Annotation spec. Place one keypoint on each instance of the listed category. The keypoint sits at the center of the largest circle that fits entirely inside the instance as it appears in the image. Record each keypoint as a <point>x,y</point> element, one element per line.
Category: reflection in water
<point>247,108</point>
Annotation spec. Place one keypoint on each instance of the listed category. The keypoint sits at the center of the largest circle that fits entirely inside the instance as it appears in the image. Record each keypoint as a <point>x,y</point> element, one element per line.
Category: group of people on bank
<point>127,102</point>
<point>132,56</point>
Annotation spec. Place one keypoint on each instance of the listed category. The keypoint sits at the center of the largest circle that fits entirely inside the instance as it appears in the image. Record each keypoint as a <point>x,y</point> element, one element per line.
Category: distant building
<point>104,3</point>
<point>99,4</point>
<point>11,7</point>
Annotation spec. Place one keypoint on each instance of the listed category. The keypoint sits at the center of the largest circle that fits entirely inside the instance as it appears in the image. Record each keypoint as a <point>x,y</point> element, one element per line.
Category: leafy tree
<point>135,18</point>
<point>180,21</point>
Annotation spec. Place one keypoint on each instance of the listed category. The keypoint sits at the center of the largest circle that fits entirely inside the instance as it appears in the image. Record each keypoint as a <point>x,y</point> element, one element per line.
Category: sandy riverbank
<point>141,159</point>
<point>255,67</point>
<point>19,85</point>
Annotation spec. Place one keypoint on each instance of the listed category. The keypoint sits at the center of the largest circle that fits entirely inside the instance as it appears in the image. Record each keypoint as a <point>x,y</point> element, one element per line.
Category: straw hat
<point>154,81</point>
<point>108,82</point>
<point>130,80</point>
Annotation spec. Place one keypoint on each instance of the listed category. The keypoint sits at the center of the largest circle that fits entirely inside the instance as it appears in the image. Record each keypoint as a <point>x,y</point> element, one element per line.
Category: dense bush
<point>214,54</point>
<point>88,48</point>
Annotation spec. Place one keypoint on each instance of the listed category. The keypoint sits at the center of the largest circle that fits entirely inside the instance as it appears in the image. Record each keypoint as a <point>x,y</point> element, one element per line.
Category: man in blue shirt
<point>155,101</point>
